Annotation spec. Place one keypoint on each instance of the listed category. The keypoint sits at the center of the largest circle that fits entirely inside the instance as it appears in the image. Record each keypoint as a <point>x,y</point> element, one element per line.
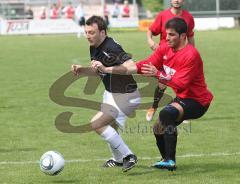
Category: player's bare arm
<point>127,68</point>
<point>150,41</point>
<point>80,70</point>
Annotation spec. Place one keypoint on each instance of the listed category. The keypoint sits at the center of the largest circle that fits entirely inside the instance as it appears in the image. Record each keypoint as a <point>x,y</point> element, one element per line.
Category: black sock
<point>167,116</point>
<point>160,144</point>
<point>158,93</point>
<point>170,146</point>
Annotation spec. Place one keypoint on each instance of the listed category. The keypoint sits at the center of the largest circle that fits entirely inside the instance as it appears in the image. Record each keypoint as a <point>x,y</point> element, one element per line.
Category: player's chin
<point>177,6</point>
<point>169,44</point>
<point>90,42</point>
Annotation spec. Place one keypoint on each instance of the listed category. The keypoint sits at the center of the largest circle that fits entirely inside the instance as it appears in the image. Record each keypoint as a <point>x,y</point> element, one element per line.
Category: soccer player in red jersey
<point>178,65</point>
<point>158,28</point>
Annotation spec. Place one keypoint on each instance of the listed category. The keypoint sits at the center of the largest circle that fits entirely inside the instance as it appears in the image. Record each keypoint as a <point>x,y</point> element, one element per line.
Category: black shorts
<point>192,108</point>
<point>81,21</point>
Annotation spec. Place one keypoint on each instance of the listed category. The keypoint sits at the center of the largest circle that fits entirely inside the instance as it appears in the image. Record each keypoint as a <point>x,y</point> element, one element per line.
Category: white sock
<point>117,156</point>
<point>116,142</point>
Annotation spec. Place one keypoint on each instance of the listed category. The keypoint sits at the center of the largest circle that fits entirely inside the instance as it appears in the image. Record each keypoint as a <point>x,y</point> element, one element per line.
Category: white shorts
<point>120,105</point>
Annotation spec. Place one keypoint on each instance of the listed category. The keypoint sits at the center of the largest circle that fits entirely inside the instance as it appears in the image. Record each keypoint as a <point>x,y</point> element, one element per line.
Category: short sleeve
<point>191,27</point>
<point>116,55</point>
<point>155,27</point>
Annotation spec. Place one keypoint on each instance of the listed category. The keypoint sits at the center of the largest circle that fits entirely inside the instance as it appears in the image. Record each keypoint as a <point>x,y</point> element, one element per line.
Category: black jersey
<point>110,53</point>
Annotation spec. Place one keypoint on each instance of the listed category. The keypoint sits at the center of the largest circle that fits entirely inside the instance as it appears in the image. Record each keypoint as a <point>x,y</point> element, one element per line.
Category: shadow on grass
<point>202,168</point>
<point>66,181</point>
<point>183,169</point>
<point>142,170</point>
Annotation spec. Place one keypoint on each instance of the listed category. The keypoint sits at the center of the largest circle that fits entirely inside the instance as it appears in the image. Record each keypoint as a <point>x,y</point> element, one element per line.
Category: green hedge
<point>153,5</point>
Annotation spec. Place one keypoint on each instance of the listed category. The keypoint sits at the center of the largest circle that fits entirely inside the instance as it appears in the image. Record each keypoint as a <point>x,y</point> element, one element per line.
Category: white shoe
<point>150,113</point>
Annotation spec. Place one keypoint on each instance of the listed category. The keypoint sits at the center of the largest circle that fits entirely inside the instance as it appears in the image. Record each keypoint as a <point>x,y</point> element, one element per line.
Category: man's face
<point>173,38</point>
<point>177,3</point>
<point>94,36</point>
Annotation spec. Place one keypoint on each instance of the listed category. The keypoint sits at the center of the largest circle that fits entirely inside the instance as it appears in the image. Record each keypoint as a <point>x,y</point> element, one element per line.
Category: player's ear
<point>183,35</point>
<point>103,32</point>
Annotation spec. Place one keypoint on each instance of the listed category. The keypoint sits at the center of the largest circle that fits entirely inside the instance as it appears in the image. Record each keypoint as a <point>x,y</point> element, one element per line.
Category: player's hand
<point>97,66</point>
<point>161,86</point>
<point>76,69</point>
<point>152,45</point>
<point>149,70</point>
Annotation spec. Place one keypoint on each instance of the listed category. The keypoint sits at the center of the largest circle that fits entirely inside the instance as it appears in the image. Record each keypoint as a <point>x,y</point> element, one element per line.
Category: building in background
<point>208,14</point>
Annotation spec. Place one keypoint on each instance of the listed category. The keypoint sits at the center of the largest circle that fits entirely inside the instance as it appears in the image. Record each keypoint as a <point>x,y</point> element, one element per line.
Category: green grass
<point>29,65</point>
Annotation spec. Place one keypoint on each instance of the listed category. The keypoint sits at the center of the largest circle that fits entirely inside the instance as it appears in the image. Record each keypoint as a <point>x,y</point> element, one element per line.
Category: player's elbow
<point>129,67</point>
<point>180,86</point>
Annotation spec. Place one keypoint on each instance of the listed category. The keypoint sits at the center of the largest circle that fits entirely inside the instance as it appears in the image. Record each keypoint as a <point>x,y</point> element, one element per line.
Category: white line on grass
<point>141,158</point>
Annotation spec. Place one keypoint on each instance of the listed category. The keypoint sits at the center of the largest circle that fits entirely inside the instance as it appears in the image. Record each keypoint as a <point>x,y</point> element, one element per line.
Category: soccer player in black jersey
<point>121,96</point>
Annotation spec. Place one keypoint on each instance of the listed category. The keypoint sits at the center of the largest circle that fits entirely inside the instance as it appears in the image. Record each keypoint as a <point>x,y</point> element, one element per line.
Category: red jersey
<point>70,12</point>
<point>54,13</point>
<point>126,11</point>
<point>182,70</point>
<point>43,15</point>
<point>158,26</point>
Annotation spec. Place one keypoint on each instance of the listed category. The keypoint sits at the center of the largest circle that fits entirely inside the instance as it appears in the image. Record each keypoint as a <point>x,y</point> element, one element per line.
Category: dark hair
<point>178,24</point>
<point>99,21</point>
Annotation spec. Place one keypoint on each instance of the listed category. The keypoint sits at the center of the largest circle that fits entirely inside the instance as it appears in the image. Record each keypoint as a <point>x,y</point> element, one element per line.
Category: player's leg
<point>158,93</point>
<point>117,157</point>
<point>168,117</point>
<point>171,116</point>
<point>100,123</point>
<point>81,23</point>
<point>119,106</point>
<point>159,136</point>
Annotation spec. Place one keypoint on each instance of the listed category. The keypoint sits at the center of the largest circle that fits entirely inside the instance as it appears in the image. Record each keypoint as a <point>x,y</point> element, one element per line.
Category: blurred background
<point>208,14</point>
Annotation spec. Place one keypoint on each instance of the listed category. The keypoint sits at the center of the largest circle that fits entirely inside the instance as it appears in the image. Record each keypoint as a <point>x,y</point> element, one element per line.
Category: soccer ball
<point>52,163</point>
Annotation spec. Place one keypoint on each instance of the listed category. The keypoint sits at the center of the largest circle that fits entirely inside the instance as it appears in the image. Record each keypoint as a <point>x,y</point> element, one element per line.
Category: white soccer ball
<point>52,163</point>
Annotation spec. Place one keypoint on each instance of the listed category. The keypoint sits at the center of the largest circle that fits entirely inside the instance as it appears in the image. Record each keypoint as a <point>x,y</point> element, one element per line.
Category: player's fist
<point>152,44</point>
<point>75,69</point>
<point>97,66</point>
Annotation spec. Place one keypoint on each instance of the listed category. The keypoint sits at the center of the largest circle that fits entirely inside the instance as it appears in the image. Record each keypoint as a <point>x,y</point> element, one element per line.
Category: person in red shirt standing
<point>177,64</point>
<point>54,11</point>
<point>126,9</point>
<point>69,11</point>
<point>43,13</point>
<point>158,28</point>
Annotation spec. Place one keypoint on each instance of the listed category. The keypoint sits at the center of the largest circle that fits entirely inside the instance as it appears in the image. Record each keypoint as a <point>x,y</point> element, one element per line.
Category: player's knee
<point>95,126</point>
<point>168,115</point>
<point>158,129</point>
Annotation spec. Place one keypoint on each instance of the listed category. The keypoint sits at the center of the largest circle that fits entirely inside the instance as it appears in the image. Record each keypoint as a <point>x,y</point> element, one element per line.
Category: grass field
<point>208,151</point>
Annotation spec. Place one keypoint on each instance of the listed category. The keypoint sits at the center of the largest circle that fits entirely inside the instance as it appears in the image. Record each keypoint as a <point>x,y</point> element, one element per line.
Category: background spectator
<point>116,11</point>
<point>126,10</point>
<point>54,12</point>
<point>80,17</point>
<point>69,11</point>
<point>106,13</point>
<point>43,13</point>
<point>29,13</point>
